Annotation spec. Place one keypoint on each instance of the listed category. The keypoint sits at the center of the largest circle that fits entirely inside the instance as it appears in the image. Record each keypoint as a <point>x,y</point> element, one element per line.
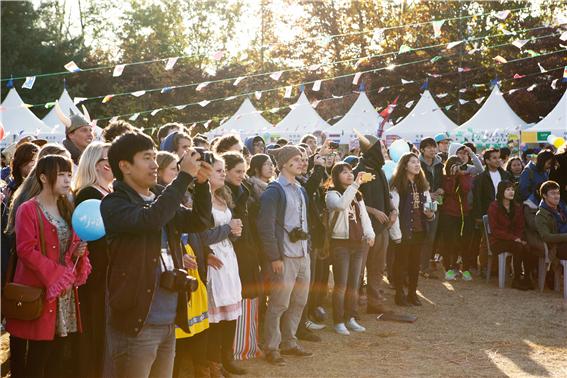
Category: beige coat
<point>337,203</point>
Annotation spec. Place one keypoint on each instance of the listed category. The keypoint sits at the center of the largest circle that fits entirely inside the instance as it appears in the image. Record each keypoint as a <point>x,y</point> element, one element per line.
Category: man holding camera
<point>283,232</point>
<point>147,285</point>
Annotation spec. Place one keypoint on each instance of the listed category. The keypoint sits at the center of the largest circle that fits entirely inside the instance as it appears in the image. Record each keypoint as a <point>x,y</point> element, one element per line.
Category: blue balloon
<point>397,149</point>
<point>388,168</point>
<point>87,221</point>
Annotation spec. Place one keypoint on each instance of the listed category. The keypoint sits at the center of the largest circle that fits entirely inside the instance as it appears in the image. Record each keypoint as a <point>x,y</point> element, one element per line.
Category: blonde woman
<point>93,181</point>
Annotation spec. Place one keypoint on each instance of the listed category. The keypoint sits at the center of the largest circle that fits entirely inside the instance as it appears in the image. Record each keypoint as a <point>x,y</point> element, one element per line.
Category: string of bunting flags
<point>378,35</point>
<point>317,84</point>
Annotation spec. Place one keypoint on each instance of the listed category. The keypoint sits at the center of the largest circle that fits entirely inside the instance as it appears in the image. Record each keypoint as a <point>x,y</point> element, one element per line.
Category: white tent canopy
<point>301,120</point>
<point>17,119</point>
<point>494,115</point>
<point>425,120</point>
<point>556,121</point>
<point>361,116</point>
<point>54,129</point>
<point>246,121</point>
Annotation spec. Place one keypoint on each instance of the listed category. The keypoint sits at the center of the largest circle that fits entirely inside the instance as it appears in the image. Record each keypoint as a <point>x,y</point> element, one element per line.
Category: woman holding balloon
<point>93,182</point>
<point>51,257</point>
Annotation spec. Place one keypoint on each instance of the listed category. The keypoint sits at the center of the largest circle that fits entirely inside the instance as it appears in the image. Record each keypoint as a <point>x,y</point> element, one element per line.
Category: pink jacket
<point>35,269</point>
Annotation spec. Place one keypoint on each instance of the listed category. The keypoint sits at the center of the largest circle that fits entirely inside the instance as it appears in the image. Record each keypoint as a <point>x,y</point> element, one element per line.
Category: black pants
<point>521,255</point>
<point>220,341</point>
<point>38,359</point>
<point>190,349</point>
<point>407,261</point>
<point>319,286</point>
<point>455,234</point>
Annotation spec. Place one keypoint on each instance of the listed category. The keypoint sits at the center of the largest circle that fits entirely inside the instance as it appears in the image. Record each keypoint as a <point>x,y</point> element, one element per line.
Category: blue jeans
<point>347,265</point>
<point>150,354</point>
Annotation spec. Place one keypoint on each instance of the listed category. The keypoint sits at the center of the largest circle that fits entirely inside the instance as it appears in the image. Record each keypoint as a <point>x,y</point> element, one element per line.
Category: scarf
<point>73,150</point>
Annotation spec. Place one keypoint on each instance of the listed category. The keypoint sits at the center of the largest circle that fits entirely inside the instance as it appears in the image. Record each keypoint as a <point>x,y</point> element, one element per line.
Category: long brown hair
<point>400,180</point>
<point>50,166</point>
<point>450,163</point>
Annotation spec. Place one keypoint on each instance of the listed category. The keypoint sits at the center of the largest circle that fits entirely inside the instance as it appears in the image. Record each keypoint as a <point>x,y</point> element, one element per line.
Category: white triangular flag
<point>563,36</point>
<point>170,63</point>
<point>72,67</point>
<point>531,87</point>
<point>441,95</point>
<point>437,27</point>
<point>134,116</point>
<point>206,124</point>
<point>317,86</point>
<point>77,100</point>
<point>276,75</point>
<point>138,93</point>
<point>463,101</point>
<point>238,80</point>
<point>378,35</point>
<point>453,44</point>
<point>463,90</point>
<point>201,86</point>
<point>181,107</point>
<point>274,110</point>
<point>118,69</point>
<point>315,103</point>
<point>542,70</point>
<point>554,84</point>
<point>113,119</point>
<point>519,43</point>
<point>258,95</point>
<point>480,99</point>
<point>406,81</point>
<point>230,98</point>
<point>288,90</point>
<point>356,78</point>
<point>409,104</point>
<point>28,84</point>
<point>204,103</point>
<point>156,111</point>
<point>502,15</point>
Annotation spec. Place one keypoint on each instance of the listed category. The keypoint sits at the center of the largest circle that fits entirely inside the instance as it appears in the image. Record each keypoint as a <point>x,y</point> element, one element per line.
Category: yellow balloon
<point>558,142</point>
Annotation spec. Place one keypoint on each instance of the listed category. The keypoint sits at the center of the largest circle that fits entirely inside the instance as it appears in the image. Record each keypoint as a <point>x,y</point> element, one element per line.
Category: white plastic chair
<point>557,275</point>
<point>502,266</point>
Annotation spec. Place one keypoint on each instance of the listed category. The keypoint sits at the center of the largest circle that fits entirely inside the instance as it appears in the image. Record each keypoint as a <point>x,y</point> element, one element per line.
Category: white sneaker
<point>314,326</point>
<point>341,329</point>
<point>353,325</point>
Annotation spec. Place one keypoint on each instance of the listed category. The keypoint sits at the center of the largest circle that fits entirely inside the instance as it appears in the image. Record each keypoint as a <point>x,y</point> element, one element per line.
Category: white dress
<point>223,285</point>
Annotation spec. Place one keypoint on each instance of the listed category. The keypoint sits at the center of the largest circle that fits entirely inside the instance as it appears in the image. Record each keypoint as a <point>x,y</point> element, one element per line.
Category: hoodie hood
<point>167,143</point>
<point>373,158</point>
<point>436,160</point>
<point>454,147</point>
<point>249,143</point>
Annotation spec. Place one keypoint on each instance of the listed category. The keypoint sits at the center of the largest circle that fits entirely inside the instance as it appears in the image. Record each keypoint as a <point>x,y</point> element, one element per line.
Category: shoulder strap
<point>41,237</point>
<point>334,221</point>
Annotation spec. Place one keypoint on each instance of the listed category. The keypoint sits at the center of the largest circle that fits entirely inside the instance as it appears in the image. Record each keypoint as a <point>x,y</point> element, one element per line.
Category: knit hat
<point>74,121</point>
<point>285,154</point>
<point>167,142</point>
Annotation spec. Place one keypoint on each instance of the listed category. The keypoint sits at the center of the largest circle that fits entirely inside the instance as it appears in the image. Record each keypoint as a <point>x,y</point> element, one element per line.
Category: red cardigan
<point>35,269</point>
<point>451,205</point>
<point>504,228</point>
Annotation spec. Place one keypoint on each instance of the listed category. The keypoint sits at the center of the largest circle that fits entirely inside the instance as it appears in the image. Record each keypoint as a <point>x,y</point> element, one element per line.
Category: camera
<point>206,156</point>
<point>297,234</point>
<point>178,280</point>
<point>463,167</point>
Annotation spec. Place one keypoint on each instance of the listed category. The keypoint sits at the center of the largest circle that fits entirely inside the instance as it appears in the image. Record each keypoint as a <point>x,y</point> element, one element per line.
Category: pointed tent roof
<point>495,113</point>
<point>17,119</point>
<point>425,120</point>
<point>246,121</point>
<point>556,120</point>
<point>301,120</point>
<point>361,116</point>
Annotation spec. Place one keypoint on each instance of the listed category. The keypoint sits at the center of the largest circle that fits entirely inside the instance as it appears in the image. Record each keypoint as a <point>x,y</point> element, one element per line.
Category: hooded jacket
<point>484,193</point>
<point>530,181</point>
<point>376,193</point>
<point>433,172</point>
<point>476,167</point>
<point>249,143</point>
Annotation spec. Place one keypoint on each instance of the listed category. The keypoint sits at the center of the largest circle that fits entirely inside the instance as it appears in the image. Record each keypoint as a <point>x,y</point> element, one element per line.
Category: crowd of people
<point>221,250</point>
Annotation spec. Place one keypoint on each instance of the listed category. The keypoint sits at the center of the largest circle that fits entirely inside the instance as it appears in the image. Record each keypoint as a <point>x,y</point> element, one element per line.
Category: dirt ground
<point>463,329</point>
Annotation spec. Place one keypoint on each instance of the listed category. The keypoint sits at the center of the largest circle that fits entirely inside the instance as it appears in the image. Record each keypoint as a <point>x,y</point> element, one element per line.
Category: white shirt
<point>496,178</point>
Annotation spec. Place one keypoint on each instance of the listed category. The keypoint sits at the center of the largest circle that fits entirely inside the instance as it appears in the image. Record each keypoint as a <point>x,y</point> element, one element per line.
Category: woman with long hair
<point>411,191</point>
<point>246,343</point>
<point>58,265</point>
<point>454,221</point>
<point>223,280</point>
<point>506,219</point>
<point>93,181</point>
<point>167,167</point>
<point>350,227</point>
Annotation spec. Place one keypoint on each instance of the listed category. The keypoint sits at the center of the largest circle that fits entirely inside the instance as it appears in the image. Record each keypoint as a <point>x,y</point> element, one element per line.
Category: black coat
<point>134,234</point>
<point>317,204</point>
<point>483,191</point>
<point>245,246</point>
